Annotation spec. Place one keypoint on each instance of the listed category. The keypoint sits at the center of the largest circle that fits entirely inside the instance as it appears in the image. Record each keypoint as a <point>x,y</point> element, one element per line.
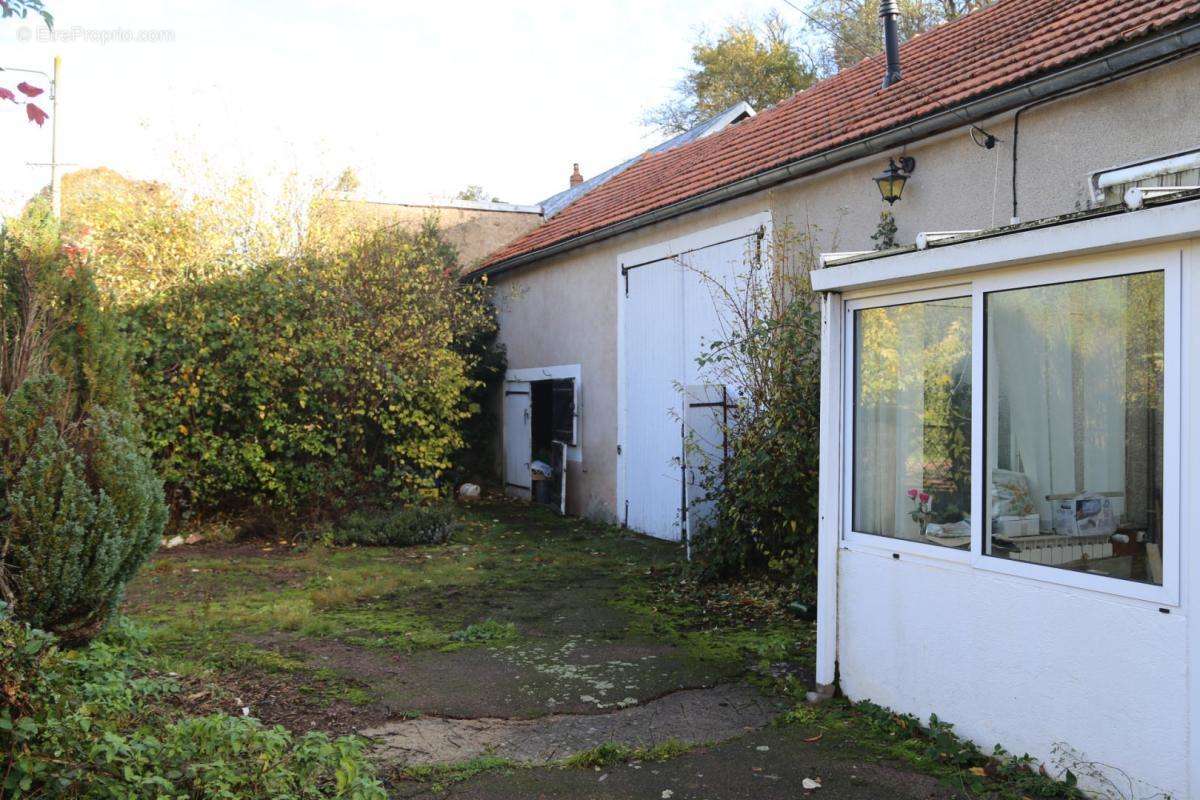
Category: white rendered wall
<point>1021,663</point>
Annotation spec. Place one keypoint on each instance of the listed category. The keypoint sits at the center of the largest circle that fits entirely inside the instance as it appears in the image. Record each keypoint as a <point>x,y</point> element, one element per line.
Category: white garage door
<point>673,308</point>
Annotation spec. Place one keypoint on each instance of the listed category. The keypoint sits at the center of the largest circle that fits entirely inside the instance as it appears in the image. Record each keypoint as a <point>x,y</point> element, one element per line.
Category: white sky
<point>420,98</point>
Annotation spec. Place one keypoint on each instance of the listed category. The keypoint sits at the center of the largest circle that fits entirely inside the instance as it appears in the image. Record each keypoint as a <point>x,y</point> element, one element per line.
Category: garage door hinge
<point>625,275</point>
<point>618,449</point>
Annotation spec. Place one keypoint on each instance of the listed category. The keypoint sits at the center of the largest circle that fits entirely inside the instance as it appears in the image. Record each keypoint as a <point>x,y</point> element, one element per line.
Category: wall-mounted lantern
<point>891,182</point>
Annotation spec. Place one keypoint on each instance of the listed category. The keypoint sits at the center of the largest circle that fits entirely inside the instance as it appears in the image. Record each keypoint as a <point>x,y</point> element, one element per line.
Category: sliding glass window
<point>1073,403</point>
<point>911,456</point>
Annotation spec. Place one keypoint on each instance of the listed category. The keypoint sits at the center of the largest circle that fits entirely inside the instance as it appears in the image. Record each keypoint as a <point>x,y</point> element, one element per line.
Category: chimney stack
<point>576,178</point>
<point>889,12</point>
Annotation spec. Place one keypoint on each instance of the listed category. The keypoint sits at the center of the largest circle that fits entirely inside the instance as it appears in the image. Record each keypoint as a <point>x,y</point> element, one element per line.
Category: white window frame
<point>559,372</point>
<point>1067,269</point>
<point>1082,269</point>
<point>874,542</point>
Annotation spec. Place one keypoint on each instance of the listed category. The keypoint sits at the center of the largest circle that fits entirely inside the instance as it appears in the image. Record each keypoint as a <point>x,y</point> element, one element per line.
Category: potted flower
<point>922,508</point>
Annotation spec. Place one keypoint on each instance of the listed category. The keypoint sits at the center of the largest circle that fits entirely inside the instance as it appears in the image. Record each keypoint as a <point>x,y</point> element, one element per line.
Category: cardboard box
<point>1084,515</point>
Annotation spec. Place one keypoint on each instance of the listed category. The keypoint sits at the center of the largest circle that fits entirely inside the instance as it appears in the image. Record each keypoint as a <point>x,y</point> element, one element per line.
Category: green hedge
<point>301,387</point>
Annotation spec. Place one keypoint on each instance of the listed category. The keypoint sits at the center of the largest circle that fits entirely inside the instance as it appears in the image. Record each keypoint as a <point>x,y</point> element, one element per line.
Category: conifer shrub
<point>81,507</point>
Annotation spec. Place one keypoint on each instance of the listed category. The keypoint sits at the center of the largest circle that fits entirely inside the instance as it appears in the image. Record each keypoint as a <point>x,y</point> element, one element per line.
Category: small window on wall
<point>1074,425</point>
<point>912,422</point>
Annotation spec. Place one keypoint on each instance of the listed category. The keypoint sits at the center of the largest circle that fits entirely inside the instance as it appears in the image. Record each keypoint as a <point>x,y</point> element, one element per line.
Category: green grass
<point>440,776</point>
<point>486,631</point>
<point>213,613</point>
<point>612,753</point>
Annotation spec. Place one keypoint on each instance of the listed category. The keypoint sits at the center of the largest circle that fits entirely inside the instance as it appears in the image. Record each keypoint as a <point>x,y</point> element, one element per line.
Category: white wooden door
<point>518,436</point>
<point>653,358</point>
<point>674,308</point>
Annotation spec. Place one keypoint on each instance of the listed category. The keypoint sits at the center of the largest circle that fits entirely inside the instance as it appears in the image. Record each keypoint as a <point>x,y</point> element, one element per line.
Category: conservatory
<point>1010,470</point>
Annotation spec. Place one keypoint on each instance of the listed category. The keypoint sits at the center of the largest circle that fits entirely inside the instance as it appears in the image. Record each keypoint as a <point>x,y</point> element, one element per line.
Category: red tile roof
<point>1002,45</point>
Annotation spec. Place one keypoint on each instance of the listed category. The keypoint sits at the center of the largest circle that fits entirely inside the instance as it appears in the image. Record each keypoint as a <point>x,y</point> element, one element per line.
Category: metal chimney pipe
<point>889,12</point>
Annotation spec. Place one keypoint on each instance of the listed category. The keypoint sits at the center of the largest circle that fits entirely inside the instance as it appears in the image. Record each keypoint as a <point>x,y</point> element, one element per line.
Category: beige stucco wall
<point>563,310</point>
<point>474,232</point>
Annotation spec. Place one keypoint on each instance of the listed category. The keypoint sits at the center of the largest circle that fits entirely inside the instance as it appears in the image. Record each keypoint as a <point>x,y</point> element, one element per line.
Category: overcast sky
<point>421,98</point>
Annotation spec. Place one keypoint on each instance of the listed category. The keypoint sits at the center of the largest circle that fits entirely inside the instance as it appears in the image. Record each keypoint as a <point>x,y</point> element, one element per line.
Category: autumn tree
<point>142,237</point>
<point>758,62</point>
<point>475,193</point>
<point>348,181</point>
<point>845,32</point>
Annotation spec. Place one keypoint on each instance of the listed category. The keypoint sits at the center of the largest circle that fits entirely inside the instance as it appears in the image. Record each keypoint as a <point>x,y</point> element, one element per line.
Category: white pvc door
<point>674,309</point>
<point>518,438</point>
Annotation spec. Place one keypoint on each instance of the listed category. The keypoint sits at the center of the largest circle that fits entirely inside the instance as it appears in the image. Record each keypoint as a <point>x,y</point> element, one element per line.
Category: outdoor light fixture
<point>891,183</point>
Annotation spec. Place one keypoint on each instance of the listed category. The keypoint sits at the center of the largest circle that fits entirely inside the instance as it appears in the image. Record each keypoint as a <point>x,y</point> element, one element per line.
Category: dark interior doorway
<point>552,428</point>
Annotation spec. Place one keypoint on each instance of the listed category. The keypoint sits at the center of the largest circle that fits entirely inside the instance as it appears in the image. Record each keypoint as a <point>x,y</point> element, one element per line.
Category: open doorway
<point>552,431</point>
<point>540,430</point>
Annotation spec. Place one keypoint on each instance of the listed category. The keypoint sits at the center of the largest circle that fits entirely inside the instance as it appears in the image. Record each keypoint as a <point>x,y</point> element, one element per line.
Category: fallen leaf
<point>35,114</point>
<point>979,772</point>
<point>809,783</point>
<point>816,738</point>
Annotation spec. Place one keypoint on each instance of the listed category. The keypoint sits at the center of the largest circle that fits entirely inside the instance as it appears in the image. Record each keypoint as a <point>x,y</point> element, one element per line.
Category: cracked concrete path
<point>524,679</point>
<point>769,764</point>
<point>694,717</point>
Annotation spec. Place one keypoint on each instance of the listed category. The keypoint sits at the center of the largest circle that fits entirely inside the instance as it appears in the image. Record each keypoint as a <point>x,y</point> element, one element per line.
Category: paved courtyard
<point>533,656</point>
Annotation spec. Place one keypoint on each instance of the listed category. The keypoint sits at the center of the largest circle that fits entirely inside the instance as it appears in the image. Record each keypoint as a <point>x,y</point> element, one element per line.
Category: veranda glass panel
<point>1074,425</point>
<point>912,422</point>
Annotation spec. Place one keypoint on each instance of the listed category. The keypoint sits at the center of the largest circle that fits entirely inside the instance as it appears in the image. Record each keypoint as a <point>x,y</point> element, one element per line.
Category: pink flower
<point>912,493</point>
<point>924,497</point>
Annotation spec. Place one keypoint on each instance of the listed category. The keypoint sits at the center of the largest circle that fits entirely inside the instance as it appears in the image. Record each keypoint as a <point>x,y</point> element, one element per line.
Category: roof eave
<point>1149,51</point>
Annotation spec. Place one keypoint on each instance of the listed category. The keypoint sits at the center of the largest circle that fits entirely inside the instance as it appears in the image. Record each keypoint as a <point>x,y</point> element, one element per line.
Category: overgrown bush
<point>302,384</point>
<point>92,723</point>
<point>80,505</point>
<point>480,346</point>
<point>400,527</point>
<point>765,493</point>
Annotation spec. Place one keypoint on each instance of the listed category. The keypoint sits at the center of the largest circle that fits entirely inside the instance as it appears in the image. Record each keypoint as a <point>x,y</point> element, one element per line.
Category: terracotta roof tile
<point>1002,45</point>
